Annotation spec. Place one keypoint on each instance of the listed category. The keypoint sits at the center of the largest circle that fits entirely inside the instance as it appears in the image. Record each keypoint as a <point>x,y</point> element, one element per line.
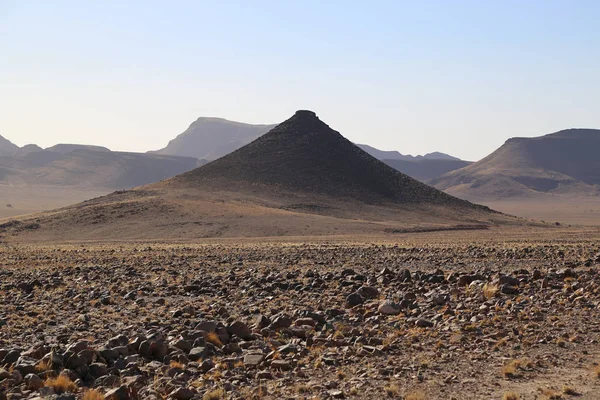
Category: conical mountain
<point>304,154</point>
<point>302,178</point>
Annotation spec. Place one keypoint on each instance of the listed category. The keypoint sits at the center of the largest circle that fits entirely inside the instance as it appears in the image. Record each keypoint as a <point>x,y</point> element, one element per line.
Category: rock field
<point>300,321</point>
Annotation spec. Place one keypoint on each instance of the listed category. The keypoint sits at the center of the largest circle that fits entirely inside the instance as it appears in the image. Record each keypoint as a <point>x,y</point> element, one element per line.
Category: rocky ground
<point>302,321</point>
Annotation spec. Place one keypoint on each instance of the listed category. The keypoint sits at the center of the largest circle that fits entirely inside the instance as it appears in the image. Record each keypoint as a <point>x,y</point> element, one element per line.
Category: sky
<point>459,76</point>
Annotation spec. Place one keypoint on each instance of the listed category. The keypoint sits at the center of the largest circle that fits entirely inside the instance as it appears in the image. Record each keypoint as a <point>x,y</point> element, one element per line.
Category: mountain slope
<point>565,162</point>
<point>425,170</point>
<point>302,178</point>
<point>212,138</point>
<point>7,147</point>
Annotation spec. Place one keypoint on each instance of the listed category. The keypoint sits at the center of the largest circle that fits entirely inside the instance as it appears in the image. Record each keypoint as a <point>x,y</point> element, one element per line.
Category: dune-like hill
<point>212,138</point>
<point>565,162</point>
<point>426,169</point>
<point>301,178</point>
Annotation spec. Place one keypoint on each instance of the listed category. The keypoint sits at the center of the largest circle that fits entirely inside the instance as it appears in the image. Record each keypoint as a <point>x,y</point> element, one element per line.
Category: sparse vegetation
<point>217,394</point>
<point>61,384</point>
<point>175,364</point>
<point>416,395</point>
<point>213,338</point>
<point>570,391</point>
<point>490,290</point>
<point>93,394</point>
<point>392,390</point>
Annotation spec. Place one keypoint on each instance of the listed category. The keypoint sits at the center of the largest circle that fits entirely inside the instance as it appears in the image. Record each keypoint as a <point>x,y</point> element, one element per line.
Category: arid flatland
<point>444,315</point>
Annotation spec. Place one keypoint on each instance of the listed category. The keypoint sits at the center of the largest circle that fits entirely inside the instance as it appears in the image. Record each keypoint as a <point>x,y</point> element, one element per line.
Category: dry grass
<point>213,338</point>
<point>43,366</point>
<point>511,369</point>
<point>489,290</point>
<point>175,364</point>
<point>303,389</point>
<point>61,384</point>
<point>511,396</point>
<point>417,395</point>
<point>570,391</point>
<point>550,394</point>
<point>392,390</point>
<point>92,394</point>
<point>217,394</point>
<point>596,371</point>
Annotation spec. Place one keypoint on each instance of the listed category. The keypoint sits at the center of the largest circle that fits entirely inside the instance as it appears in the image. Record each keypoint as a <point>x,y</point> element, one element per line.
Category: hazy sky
<point>414,76</point>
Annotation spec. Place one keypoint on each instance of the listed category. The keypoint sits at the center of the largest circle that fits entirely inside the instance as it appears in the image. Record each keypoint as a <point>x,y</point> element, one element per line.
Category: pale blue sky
<point>413,76</point>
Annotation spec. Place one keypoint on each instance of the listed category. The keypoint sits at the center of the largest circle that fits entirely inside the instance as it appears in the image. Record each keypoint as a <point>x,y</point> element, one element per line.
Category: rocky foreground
<point>502,321</point>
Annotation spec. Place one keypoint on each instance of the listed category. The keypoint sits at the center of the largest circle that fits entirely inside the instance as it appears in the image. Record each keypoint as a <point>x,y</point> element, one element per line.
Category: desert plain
<point>504,313</point>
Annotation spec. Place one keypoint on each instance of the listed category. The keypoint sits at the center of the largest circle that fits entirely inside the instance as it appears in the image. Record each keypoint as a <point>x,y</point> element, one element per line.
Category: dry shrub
<point>489,290</point>
<point>92,394</point>
<point>61,384</point>
<point>213,338</point>
<point>175,364</point>
<point>304,389</point>
<point>550,394</point>
<point>44,365</point>
<point>392,390</point>
<point>570,391</point>
<point>217,394</point>
<point>418,395</point>
<point>510,370</point>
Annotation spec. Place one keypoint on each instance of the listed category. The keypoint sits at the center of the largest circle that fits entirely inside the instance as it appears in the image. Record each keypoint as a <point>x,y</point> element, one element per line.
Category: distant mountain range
<point>301,178</point>
<point>212,138</point>
<point>82,166</point>
<point>565,162</point>
<point>395,155</point>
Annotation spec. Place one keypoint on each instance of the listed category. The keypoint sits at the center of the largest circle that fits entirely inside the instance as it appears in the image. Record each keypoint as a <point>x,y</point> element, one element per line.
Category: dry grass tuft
<point>213,338</point>
<point>490,290</point>
<point>304,389</point>
<point>43,366</point>
<point>418,395</point>
<point>511,369</point>
<point>596,370</point>
<point>92,394</point>
<point>61,385</point>
<point>217,394</point>
<point>175,364</point>
<point>550,394</point>
<point>392,390</point>
<point>511,396</point>
<point>570,391</point>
